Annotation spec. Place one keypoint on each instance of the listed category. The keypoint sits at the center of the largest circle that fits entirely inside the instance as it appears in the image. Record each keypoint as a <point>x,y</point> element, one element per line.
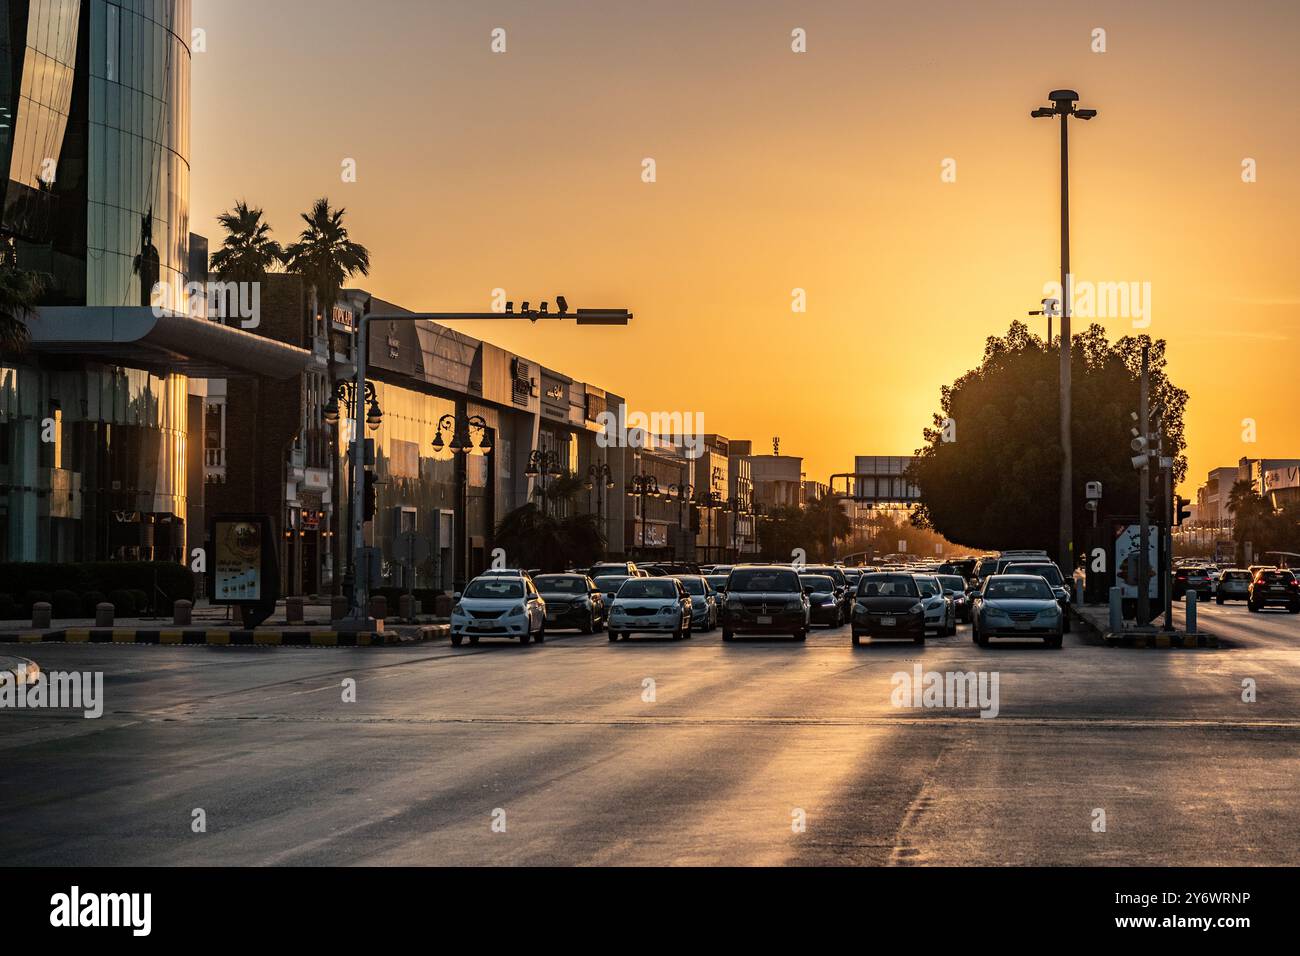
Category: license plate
<point>480,627</point>
<point>764,619</point>
<point>887,621</point>
<point>1022,625</point>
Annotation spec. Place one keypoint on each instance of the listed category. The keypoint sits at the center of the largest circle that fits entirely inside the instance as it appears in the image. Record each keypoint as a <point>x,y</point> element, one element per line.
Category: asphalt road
<point>739,743</point>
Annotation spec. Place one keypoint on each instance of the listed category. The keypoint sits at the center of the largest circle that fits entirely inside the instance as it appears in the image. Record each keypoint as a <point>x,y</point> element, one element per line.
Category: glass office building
<point>94,148</point>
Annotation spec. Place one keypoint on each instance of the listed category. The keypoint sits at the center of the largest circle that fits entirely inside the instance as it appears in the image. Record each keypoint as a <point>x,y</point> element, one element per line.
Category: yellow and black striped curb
<point>20,667</point>
<point>223,638</point>
<point>1161,640</point>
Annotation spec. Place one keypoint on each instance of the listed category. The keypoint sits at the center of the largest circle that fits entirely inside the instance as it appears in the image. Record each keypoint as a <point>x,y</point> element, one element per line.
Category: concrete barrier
<point>378,607</point>
<point>338,607</point>
<point>442,605</point>
<point>42,612</point>
<point>103,614</point>
<point>182,613</point>
<point>293,610</point>
<point>406,606</point>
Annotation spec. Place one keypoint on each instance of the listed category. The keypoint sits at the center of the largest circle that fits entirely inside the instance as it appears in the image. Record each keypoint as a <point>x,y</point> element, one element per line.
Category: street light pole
<point>1063,106</point>
<point>359,615</point>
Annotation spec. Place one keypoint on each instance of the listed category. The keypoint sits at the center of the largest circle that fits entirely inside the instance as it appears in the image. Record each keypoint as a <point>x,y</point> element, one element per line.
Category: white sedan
<point>499,606</point>
<point>650,606</point>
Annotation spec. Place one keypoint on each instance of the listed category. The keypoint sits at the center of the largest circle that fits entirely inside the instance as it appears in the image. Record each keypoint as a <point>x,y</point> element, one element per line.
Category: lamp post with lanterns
<point>683,493</point>
<point>543,465</point>
<point>462,428</point>
<point>344,399</point>
<point>600,478</point>
<point>644,485</point>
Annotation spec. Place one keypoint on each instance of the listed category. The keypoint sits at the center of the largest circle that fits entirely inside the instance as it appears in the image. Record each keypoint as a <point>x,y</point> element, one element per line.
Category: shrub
<point>66,604</point>
<point>32,598</point>
<point>123,602</point>
<point>89,601</point>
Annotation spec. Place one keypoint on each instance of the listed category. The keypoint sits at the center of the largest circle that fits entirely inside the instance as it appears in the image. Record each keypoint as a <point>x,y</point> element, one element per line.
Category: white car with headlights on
<point>940,615</point>
<point>1018,605</point>
<point>650,606</point>
<point>499,605</point>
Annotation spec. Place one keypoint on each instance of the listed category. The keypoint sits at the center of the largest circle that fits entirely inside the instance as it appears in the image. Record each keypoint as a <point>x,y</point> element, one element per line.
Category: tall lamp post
<point>682,493</point>
<point>601,479</point>
<point>646,486</point>
<point>461,445</point>
<point>359,616</point>
<point>1063,106</point>
<point>345,395</point>
<point>543,465</point>
<point>712,501</point>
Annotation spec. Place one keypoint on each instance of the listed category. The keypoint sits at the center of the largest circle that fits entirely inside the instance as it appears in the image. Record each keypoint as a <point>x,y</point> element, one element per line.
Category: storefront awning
<point>162,342</point>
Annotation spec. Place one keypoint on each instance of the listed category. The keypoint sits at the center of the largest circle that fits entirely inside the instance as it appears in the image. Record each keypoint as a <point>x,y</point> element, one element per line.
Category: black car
<point>764,599</point>
<point>888,605</point>
<point>823,600</point>
<point>1192,578</point>
<point>572,600</point>
<point>843,593</point>
<point>1274,587</point>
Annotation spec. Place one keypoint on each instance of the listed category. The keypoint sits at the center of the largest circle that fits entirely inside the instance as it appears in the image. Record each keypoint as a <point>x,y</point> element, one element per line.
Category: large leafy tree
<point>532,539</point>
<point>988,472</point>
<point>1255,520</point>
<point>326,257</point>
<point>20,293</point>
<point>825,522</point>
<point>248,252</point>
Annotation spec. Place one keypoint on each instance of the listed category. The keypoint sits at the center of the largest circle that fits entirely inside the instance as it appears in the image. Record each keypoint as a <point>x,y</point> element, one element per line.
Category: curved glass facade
<point>96,147</point>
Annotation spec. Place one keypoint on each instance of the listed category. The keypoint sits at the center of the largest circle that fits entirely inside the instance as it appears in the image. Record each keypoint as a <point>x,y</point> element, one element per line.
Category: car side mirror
<point>456,596</point>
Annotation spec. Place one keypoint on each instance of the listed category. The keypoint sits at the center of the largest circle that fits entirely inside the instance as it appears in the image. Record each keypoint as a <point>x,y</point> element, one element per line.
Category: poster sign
<point>237,561</point>
<point>1127,554</point>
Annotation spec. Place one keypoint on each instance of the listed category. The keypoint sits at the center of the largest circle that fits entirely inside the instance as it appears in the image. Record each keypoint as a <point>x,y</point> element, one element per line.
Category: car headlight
<point>616,608</point>
<point>918,608</point>
<point>992,612</point>
<point>670,609</point>
<point>829,602</point>
<point>458,611</point>
<point>1049,613</point>
<point>519,609</point>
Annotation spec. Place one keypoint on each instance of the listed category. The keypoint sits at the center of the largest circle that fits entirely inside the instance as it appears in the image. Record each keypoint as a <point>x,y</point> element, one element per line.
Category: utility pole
<point>1144,494</point>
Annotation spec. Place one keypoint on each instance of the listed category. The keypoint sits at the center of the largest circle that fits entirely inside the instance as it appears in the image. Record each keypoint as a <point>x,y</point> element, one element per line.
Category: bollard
<point>1078,592</point>
<point>182,613</point>
<point>442,605</point>
<point>1116,611</point>
<point>378,607</point>
<point>338,607</point>
<point>42,611</point>
<point>406,606</point>
<point>103,614</point>
<point>1189,610</point>
<point>293,610</point>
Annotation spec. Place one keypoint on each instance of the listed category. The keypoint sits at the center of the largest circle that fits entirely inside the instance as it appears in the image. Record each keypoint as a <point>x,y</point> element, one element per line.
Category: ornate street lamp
<point>461,446</point>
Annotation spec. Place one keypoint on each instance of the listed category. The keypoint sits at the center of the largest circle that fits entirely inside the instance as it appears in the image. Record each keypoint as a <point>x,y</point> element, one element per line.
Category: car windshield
<point>987,566</point>
<point>928,586</point>
<point>611,582</point>
<point>887,585</point>
<point>495,588</point>
<point>1049,571</point>
<point>561,584</point>
<point>648,588</point>
<point>751,580</point>
<point>1276,577</point>
<point>716,580</point>
<point>1017,589</point>
<point>818,582</point>
<point>1236,575</point>
<point>693,585</point>
<point>953,582</point>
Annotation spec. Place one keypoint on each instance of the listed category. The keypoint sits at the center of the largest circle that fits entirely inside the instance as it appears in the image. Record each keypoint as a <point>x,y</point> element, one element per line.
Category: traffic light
<point>371,496</point>
<point>1182,510</point>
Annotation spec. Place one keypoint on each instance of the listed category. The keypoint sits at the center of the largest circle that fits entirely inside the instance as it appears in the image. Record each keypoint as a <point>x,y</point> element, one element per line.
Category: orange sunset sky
<point>777,171</point>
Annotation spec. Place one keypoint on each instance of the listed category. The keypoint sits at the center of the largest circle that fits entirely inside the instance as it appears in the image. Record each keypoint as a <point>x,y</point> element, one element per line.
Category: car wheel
<point>677,634</point>
<point>920,638</point>
<point>474,639</point>
<point>1055,640</point>
<point>981,640</point>
<point>540,636</point>
<point>801,635</point>
<point>590,626</point>
<point>456,640</point>
<point>857,639</point>
<point>613,636</point>
<point>1294,609</point>
<point>1251,606</point>
<point>727,635</point>
<point>1218,600</point>
<point>525,637</point>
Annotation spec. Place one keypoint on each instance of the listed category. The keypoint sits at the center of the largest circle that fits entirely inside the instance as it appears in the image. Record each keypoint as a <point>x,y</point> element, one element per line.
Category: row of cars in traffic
<point>1023,596</point>
<point>1259,586</point>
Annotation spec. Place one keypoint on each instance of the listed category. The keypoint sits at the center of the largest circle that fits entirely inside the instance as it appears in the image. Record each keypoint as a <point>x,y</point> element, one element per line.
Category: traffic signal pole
<point>1144,495</point>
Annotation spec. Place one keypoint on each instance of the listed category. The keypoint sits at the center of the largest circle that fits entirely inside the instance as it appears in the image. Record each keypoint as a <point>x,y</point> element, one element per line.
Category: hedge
<point>91,581</point>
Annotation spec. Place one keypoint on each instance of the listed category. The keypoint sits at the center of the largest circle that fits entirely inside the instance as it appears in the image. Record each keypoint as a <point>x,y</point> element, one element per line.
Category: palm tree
<point>20,293</point>
<point>325,257</point>
<point>248,252</point>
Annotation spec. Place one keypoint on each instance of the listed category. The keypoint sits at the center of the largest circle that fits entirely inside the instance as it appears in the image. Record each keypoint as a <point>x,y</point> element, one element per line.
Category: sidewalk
<point>1096,618</point>
<point>220,626</point>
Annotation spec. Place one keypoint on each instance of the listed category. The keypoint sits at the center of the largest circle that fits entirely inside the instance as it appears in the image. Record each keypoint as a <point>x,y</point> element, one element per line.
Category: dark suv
<point>1189,578</point>
<point>1274,587</point>
<point>764,599</point>
<point>888,605</point>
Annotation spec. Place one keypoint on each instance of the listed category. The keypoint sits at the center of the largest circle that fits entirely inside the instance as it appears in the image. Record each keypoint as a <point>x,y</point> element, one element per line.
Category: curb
<point>26,672</point>
<point>1161,640</point>
<point>215,638</point>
